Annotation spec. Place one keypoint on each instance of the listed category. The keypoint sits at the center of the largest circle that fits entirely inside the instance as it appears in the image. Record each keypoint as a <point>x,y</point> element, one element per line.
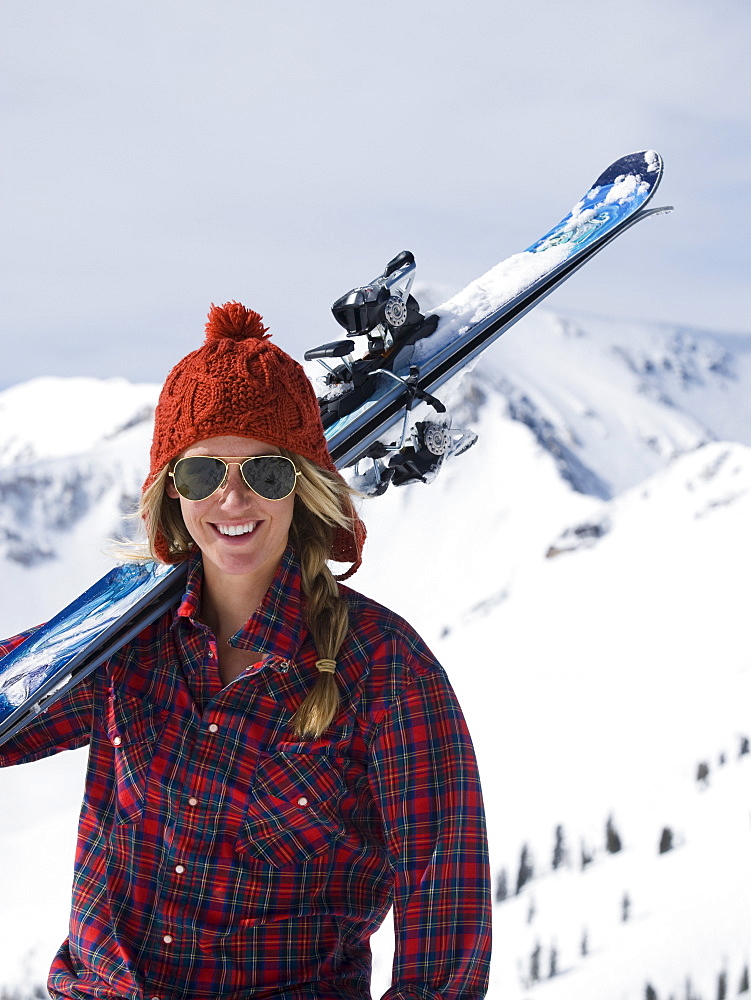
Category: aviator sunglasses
<point>198,477</point>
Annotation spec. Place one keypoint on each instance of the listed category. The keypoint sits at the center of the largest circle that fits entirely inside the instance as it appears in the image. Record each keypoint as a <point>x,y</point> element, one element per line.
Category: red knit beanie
<point>239,383</point>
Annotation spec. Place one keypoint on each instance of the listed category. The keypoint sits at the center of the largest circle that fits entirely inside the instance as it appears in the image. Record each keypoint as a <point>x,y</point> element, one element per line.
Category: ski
<point>382,418</point>
<point>406,365</point>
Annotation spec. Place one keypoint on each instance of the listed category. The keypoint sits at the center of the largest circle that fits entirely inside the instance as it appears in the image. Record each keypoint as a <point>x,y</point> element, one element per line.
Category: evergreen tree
<point>501,886</point>
<point>612,839</point>
<point>587,856</point>
<point>722,986</point>
<point>553,969</point>
<point>534,964</point>
<point>559,849</point>
<point>526,869</point>
<point>666,840</point>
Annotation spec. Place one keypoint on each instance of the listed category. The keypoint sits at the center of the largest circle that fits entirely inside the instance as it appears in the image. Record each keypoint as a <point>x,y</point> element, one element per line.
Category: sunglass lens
<point>197,477</point>
<point>270,476</point>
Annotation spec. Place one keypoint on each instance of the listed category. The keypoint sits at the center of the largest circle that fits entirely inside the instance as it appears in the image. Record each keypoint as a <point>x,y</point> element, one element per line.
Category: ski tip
<point>642,158</point>
<point>646,163</point>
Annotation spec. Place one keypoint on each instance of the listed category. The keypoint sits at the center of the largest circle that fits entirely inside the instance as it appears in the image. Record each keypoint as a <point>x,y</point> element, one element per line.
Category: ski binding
<point>389,315</point>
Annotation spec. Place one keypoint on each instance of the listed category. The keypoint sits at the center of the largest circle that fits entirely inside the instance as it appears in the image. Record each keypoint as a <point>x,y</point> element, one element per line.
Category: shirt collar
<point>277,626</point>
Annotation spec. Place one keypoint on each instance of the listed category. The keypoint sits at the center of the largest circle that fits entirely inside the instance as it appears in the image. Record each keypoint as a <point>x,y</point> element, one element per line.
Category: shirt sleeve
<point>65,725</point>
<point>425,781</point>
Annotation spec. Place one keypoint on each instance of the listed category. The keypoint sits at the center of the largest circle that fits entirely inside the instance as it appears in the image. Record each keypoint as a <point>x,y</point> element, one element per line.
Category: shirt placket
<point>191,823</point>
<point>218,767</point>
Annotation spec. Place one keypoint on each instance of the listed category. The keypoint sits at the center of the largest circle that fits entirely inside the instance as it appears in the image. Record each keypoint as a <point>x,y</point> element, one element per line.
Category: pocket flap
<point>293,813</point>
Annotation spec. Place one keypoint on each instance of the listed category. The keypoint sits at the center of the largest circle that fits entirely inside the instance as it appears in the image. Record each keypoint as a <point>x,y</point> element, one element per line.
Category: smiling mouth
<point>237,529</point>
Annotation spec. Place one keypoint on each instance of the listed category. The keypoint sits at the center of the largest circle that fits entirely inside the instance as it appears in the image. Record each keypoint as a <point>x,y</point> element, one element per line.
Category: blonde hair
<point>323,502</point>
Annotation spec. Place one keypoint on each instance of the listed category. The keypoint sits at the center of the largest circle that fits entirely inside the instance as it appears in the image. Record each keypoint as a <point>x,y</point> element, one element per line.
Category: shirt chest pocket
<point>293,814</point>
<point>133,728</point>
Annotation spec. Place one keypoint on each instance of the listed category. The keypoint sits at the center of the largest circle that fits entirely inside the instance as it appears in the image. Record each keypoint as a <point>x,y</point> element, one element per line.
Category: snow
<point>582,573</point>
<point>580,215</point>
<point>653,160</point>
<point>500,284</point>
<point>50,417</point>
<point>624,189</point>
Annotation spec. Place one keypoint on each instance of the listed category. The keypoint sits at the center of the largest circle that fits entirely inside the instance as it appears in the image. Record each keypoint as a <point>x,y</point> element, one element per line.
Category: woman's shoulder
<point>378,628</point>
<point>366,611</point>
<point>361,605</point>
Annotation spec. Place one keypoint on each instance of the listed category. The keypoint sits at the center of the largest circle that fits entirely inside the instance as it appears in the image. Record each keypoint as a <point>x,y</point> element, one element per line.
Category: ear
<point>170,490</point>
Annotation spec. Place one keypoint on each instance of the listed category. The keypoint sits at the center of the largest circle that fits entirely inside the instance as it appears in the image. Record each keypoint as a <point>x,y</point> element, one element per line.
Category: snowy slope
<point>71,465</point>
<point>51,417</point>
<point>617,672</point>
<point>582,574</point>
<point>631,397</point>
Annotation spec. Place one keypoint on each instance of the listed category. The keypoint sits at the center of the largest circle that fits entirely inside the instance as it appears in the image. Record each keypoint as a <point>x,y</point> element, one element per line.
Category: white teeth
<point>236,529</point>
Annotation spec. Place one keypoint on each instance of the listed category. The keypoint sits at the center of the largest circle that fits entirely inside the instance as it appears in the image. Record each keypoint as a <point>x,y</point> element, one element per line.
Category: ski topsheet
<point>128,598</point>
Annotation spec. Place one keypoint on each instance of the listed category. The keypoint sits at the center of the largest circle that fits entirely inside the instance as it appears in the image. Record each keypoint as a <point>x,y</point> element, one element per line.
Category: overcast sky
<point>161,155</point>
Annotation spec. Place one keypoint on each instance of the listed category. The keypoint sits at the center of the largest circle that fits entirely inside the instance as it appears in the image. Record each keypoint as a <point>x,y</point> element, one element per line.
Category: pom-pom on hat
<point>240,383</point>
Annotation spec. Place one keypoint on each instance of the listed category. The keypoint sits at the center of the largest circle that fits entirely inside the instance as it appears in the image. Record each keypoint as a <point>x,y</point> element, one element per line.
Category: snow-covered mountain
<point>581,572</point>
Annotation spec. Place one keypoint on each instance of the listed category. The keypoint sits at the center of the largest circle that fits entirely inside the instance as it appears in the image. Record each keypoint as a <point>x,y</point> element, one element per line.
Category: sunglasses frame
<point>233,461</point>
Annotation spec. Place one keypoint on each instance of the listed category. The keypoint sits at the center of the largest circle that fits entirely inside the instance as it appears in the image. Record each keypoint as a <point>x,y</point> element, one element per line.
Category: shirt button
<point>167,939</point>
<point>211,654</point>
<point>179,869</point>
<point>192,801</point>
<point>213,728</point>
<point>302,801</point>
<point>117,741</point>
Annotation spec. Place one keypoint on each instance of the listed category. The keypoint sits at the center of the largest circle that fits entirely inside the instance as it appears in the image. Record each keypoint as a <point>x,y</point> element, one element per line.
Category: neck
<point>227,602</point>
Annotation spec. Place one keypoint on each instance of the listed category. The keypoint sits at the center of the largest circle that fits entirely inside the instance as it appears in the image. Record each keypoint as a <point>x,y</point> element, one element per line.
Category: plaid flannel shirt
<point>218,856</point>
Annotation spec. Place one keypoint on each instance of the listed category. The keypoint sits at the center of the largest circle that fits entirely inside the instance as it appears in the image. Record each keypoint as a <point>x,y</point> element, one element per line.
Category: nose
<point>234,491</point>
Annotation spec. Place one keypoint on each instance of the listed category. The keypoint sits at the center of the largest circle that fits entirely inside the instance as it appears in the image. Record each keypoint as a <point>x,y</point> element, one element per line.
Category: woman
<point>278,761</point>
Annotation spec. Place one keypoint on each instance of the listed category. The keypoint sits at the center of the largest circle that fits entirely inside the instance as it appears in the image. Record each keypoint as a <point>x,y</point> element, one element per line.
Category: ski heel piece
<point>431,445</point>
<point>414,460</point>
